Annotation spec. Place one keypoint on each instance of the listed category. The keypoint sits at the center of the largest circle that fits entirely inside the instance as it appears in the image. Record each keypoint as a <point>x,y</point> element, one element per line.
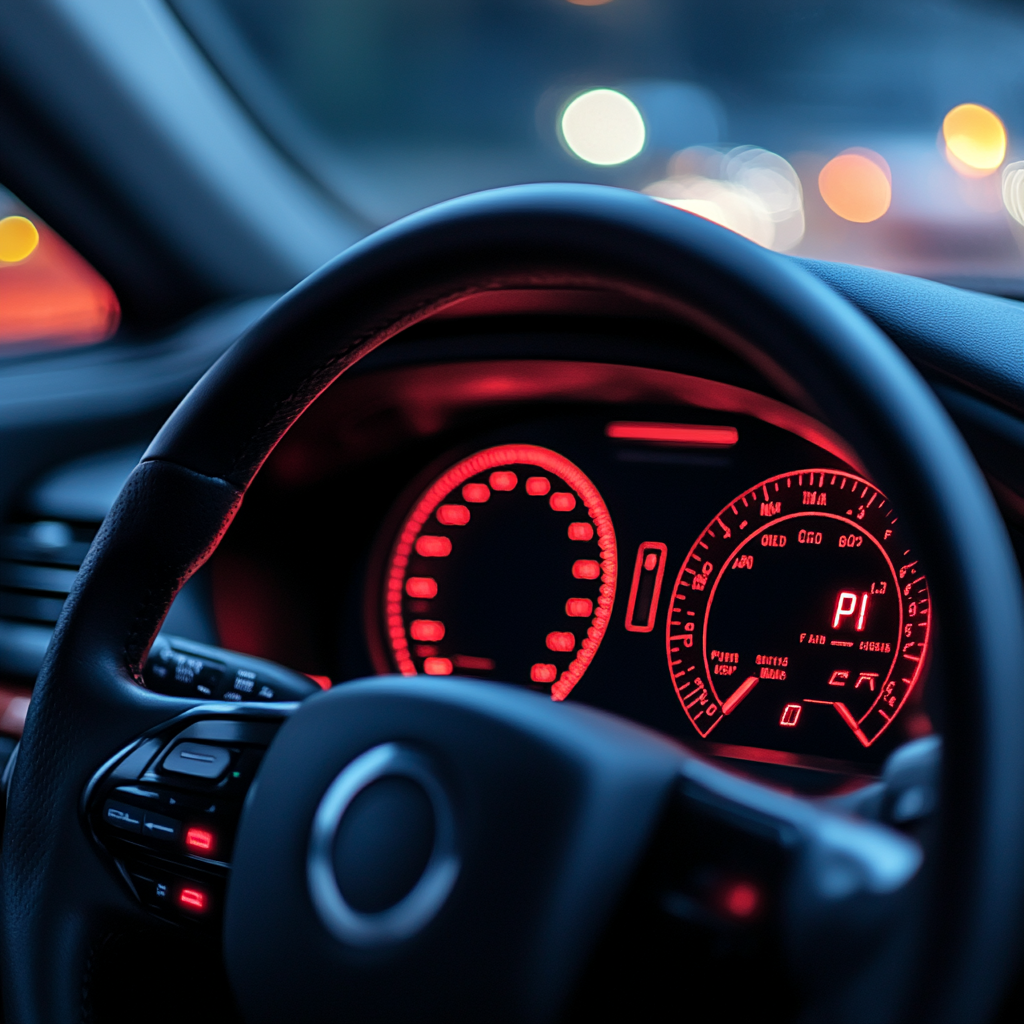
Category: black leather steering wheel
<point>550,811</point>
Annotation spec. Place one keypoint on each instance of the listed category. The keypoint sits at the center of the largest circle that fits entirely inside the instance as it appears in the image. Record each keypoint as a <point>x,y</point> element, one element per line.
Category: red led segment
<point>586,569</point>
<point>541,673</point>
<point>680,434</point>
<point>645,590</point>
<point>537,485</point>
<point>503,480</point>
<point>579,607</point>
<point>194,900</point>
<point>791,714</point>
<point>845,605</point>
<point>428,630</point>
<point>433,547</point>
<point>562,501</point>
<point>476,493</point>
<point>581,531</point>
<point>421,586</point>
<point>453,515</point>
<point>200,840</point>
<point>437,666</point>
<point>560,642</point>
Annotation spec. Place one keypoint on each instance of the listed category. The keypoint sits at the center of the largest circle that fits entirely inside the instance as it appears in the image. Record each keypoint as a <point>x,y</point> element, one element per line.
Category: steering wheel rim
<point>797,332</point>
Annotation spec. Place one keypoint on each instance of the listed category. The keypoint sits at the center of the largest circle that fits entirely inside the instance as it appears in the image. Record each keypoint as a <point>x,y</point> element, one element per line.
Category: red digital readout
<point>502,479</point>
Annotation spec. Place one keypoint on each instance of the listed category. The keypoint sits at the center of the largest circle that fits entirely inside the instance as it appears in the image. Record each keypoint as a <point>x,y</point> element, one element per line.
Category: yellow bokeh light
<point>856,185</point>
<point>975,139</point>
<point>603,127</point>
<point>18,239</point>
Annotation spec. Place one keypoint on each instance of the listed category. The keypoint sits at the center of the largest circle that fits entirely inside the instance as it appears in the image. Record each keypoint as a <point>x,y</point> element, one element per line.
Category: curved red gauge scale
<point>465,524</point>
<point>799,616</point>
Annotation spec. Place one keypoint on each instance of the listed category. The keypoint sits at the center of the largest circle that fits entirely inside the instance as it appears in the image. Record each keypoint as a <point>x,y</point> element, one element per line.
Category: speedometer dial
<point>799,616</point>
<point>505,569</point>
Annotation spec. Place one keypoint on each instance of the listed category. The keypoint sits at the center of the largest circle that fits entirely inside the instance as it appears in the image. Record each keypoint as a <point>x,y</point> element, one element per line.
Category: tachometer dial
<point>799,616</point>
<point>505,569</point>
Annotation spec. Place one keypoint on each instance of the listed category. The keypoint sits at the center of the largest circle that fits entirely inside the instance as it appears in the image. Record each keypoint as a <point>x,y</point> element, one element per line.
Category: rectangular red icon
<point>679,434</point>
<point>644,592</point>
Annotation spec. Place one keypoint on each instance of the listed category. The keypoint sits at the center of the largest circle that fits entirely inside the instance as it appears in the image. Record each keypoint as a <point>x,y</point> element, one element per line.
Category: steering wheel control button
<point>159,827</point>
<point>122,816</point>
<point>199,760</point>
<point>169,819</point>
<point>382,857</point>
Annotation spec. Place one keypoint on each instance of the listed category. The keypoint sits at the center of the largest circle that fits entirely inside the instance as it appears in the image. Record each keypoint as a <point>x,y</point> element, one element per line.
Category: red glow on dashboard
<point>410,540</point>
<point>476,493</point>
<point>453,515</point>
<point>503,480</point>
<point>437,666</point>
<point>421,586</point>
<point>324,682</point>
<point>581,531</point>
<point>579,607</point>
<point>586,569</point>
<point>433,547</point>
<point>740,900</point>
<point>472,664</point>
<point>201,840</point>
<point>193,899</point>
<point>541,673</point>
<point>688,434</point>
<point>427,630</point>
<point>560,642</point>
<point>562,501</point>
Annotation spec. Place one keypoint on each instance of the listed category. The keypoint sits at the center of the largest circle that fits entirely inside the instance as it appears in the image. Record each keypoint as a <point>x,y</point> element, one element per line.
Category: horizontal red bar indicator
<point>683,434</point>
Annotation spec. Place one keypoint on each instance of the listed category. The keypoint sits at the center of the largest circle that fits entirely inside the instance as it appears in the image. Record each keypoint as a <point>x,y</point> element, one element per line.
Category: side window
<point>49,296</point>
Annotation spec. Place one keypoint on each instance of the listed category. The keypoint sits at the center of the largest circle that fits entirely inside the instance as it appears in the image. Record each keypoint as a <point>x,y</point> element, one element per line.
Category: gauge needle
<point>741,691</point>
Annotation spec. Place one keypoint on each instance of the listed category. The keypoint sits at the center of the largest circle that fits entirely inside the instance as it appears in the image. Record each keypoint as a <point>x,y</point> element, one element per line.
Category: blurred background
<point>888,133</point>
<point>737,110</point>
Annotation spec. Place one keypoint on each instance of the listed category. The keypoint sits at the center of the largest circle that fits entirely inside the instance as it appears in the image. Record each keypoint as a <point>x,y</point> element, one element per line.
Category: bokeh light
<point>975,139</point>
<point>603,127</point>
<point>749,190</point>
<point>18,239</point>
<point>856,185</point>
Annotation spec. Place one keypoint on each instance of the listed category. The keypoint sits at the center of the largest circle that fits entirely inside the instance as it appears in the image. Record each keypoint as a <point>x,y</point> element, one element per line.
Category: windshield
<point>882,133</point>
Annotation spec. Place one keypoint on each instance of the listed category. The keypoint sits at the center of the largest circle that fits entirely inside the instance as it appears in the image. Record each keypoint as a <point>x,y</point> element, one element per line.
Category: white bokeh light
<point>603,127</point>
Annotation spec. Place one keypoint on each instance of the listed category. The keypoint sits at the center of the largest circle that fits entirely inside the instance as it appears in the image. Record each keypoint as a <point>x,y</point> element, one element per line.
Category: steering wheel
<point>430,848</point>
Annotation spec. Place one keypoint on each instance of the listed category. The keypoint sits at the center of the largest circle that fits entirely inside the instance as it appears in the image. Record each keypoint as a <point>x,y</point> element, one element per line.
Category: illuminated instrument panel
<point>727,582</point>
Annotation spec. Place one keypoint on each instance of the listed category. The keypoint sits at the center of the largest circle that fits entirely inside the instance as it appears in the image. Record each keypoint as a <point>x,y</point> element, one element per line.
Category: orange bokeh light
<point>856,185</point>
<point>53,295</point>
<point>975,139</point>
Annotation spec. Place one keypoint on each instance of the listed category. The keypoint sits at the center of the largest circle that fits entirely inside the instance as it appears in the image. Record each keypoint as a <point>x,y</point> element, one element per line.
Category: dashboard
<point>701,558</point>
